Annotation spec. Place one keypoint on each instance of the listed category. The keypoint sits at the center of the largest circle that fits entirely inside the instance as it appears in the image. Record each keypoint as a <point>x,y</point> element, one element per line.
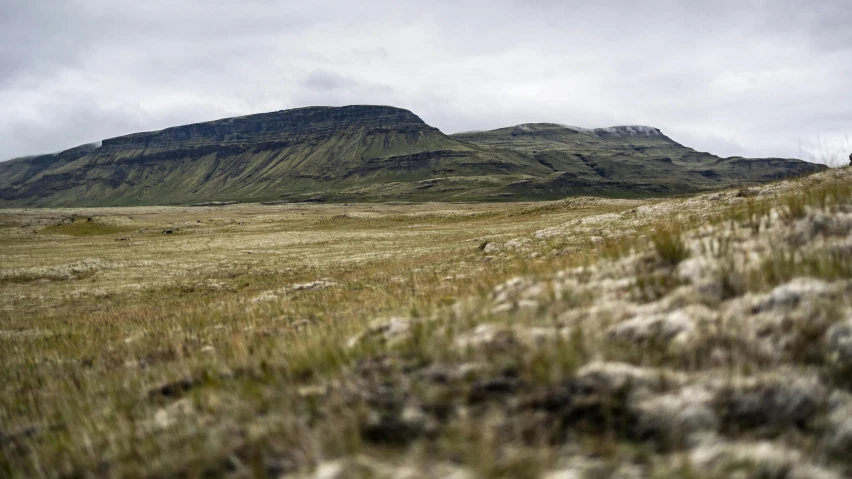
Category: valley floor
<point>708,337</point>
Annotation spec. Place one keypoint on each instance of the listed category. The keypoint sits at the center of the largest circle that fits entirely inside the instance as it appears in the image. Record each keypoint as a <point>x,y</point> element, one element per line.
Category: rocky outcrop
<point>731,358</point>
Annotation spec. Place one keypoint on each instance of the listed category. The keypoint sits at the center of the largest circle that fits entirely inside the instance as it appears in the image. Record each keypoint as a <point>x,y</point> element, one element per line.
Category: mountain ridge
<point>370,153</point>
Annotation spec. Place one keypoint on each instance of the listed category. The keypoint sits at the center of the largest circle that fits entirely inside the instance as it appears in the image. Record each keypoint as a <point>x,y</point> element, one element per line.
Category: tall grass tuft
<point>793,207</point>
<point>670,246</point>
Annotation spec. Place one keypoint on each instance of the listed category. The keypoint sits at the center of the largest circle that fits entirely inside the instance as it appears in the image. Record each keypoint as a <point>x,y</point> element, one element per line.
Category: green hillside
<point>369,153</point>
<point>631,160</point>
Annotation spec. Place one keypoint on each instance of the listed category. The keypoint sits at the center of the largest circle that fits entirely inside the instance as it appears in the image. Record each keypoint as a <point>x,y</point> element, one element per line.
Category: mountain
<point>627,159</point>
<point>369,153</point>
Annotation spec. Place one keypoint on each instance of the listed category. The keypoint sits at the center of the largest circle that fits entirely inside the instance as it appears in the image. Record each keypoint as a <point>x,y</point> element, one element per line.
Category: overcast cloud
<point>745,77</point>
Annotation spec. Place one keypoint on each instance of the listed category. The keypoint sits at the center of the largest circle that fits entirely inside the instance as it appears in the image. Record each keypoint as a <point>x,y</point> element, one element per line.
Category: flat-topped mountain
<point>370,153</point>
<point>287,126</point>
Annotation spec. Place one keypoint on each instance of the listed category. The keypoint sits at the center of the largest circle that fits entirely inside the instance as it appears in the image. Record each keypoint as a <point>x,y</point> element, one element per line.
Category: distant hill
<point>627,160</point>
<point>370,153</point>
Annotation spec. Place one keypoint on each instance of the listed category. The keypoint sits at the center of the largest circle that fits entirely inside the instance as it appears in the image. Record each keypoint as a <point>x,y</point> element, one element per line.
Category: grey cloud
<point>322,80</point>
<point>750,77</point>
<point>35,39</point>
<point>329,88</point>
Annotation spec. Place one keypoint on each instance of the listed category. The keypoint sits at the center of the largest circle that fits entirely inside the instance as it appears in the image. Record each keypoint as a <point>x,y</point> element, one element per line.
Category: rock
<point>659,327</point>
<point>493,388</point>
<point>612,377</point>
<point>169,415</point>
<point>789,295</point>
<point>439,373</point>
<point>392,427</point>
<point>700,271</point>
<point>313,391</point>
<point>602,398</point>
<point>135,337</point>
<point>491,337</point>
<point>540,335</point>
<point>340,469</point>
<point>838,344</point>
<point>789,323</point>
<point>491,248</point>
<point>509,294</point>
<point>389,331</point>
<point>819,223</point>
<point>518,243</point>
<point>488,337</point>
<point>755,460</point>
<point>276,294</point>
<point>677,418</point>
<point>300,325</point>
<point>679,327</point>
<point>775,402</point>
<point>312,286</point>
<point>747,192</point>
<point>582,468</point>
<point>446,373</point>
<point>362,466</point>
<point>265,296</point>
<point>564,474</point>
<point>838,429</point>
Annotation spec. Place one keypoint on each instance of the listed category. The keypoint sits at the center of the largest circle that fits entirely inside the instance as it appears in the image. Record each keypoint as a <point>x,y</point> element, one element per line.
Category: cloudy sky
<point>744,77</point>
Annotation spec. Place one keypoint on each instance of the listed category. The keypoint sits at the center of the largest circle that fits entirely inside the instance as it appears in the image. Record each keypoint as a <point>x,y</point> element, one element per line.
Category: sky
<point>747,77</point>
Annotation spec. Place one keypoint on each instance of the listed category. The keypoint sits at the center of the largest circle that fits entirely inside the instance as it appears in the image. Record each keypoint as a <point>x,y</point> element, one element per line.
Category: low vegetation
<point>670,246</point>
<point>699,337</point>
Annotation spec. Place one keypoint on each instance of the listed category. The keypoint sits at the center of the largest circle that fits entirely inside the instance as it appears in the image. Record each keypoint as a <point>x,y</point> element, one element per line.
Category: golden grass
<point>96,315</point>
<point>131,352</point>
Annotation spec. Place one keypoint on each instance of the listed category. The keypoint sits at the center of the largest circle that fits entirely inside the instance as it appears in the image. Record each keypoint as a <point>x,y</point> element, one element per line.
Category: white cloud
<point>751,78</point>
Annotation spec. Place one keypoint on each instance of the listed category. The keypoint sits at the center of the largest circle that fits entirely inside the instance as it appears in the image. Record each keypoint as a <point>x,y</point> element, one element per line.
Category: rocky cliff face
<point>300,123</point>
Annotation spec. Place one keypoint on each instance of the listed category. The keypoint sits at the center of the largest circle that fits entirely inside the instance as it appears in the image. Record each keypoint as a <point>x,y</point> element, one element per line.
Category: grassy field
<point>97,315</point>
<point>417,340</point>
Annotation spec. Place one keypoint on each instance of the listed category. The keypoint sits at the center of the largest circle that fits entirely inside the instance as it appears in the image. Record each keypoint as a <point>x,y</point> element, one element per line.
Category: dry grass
<point>243,341</point>
<point>95,315</point>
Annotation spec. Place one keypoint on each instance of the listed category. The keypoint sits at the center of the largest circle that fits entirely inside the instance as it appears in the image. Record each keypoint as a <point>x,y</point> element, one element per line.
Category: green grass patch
<point>782,266</point>
<point>670,246</point>
<point>80,226</point>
